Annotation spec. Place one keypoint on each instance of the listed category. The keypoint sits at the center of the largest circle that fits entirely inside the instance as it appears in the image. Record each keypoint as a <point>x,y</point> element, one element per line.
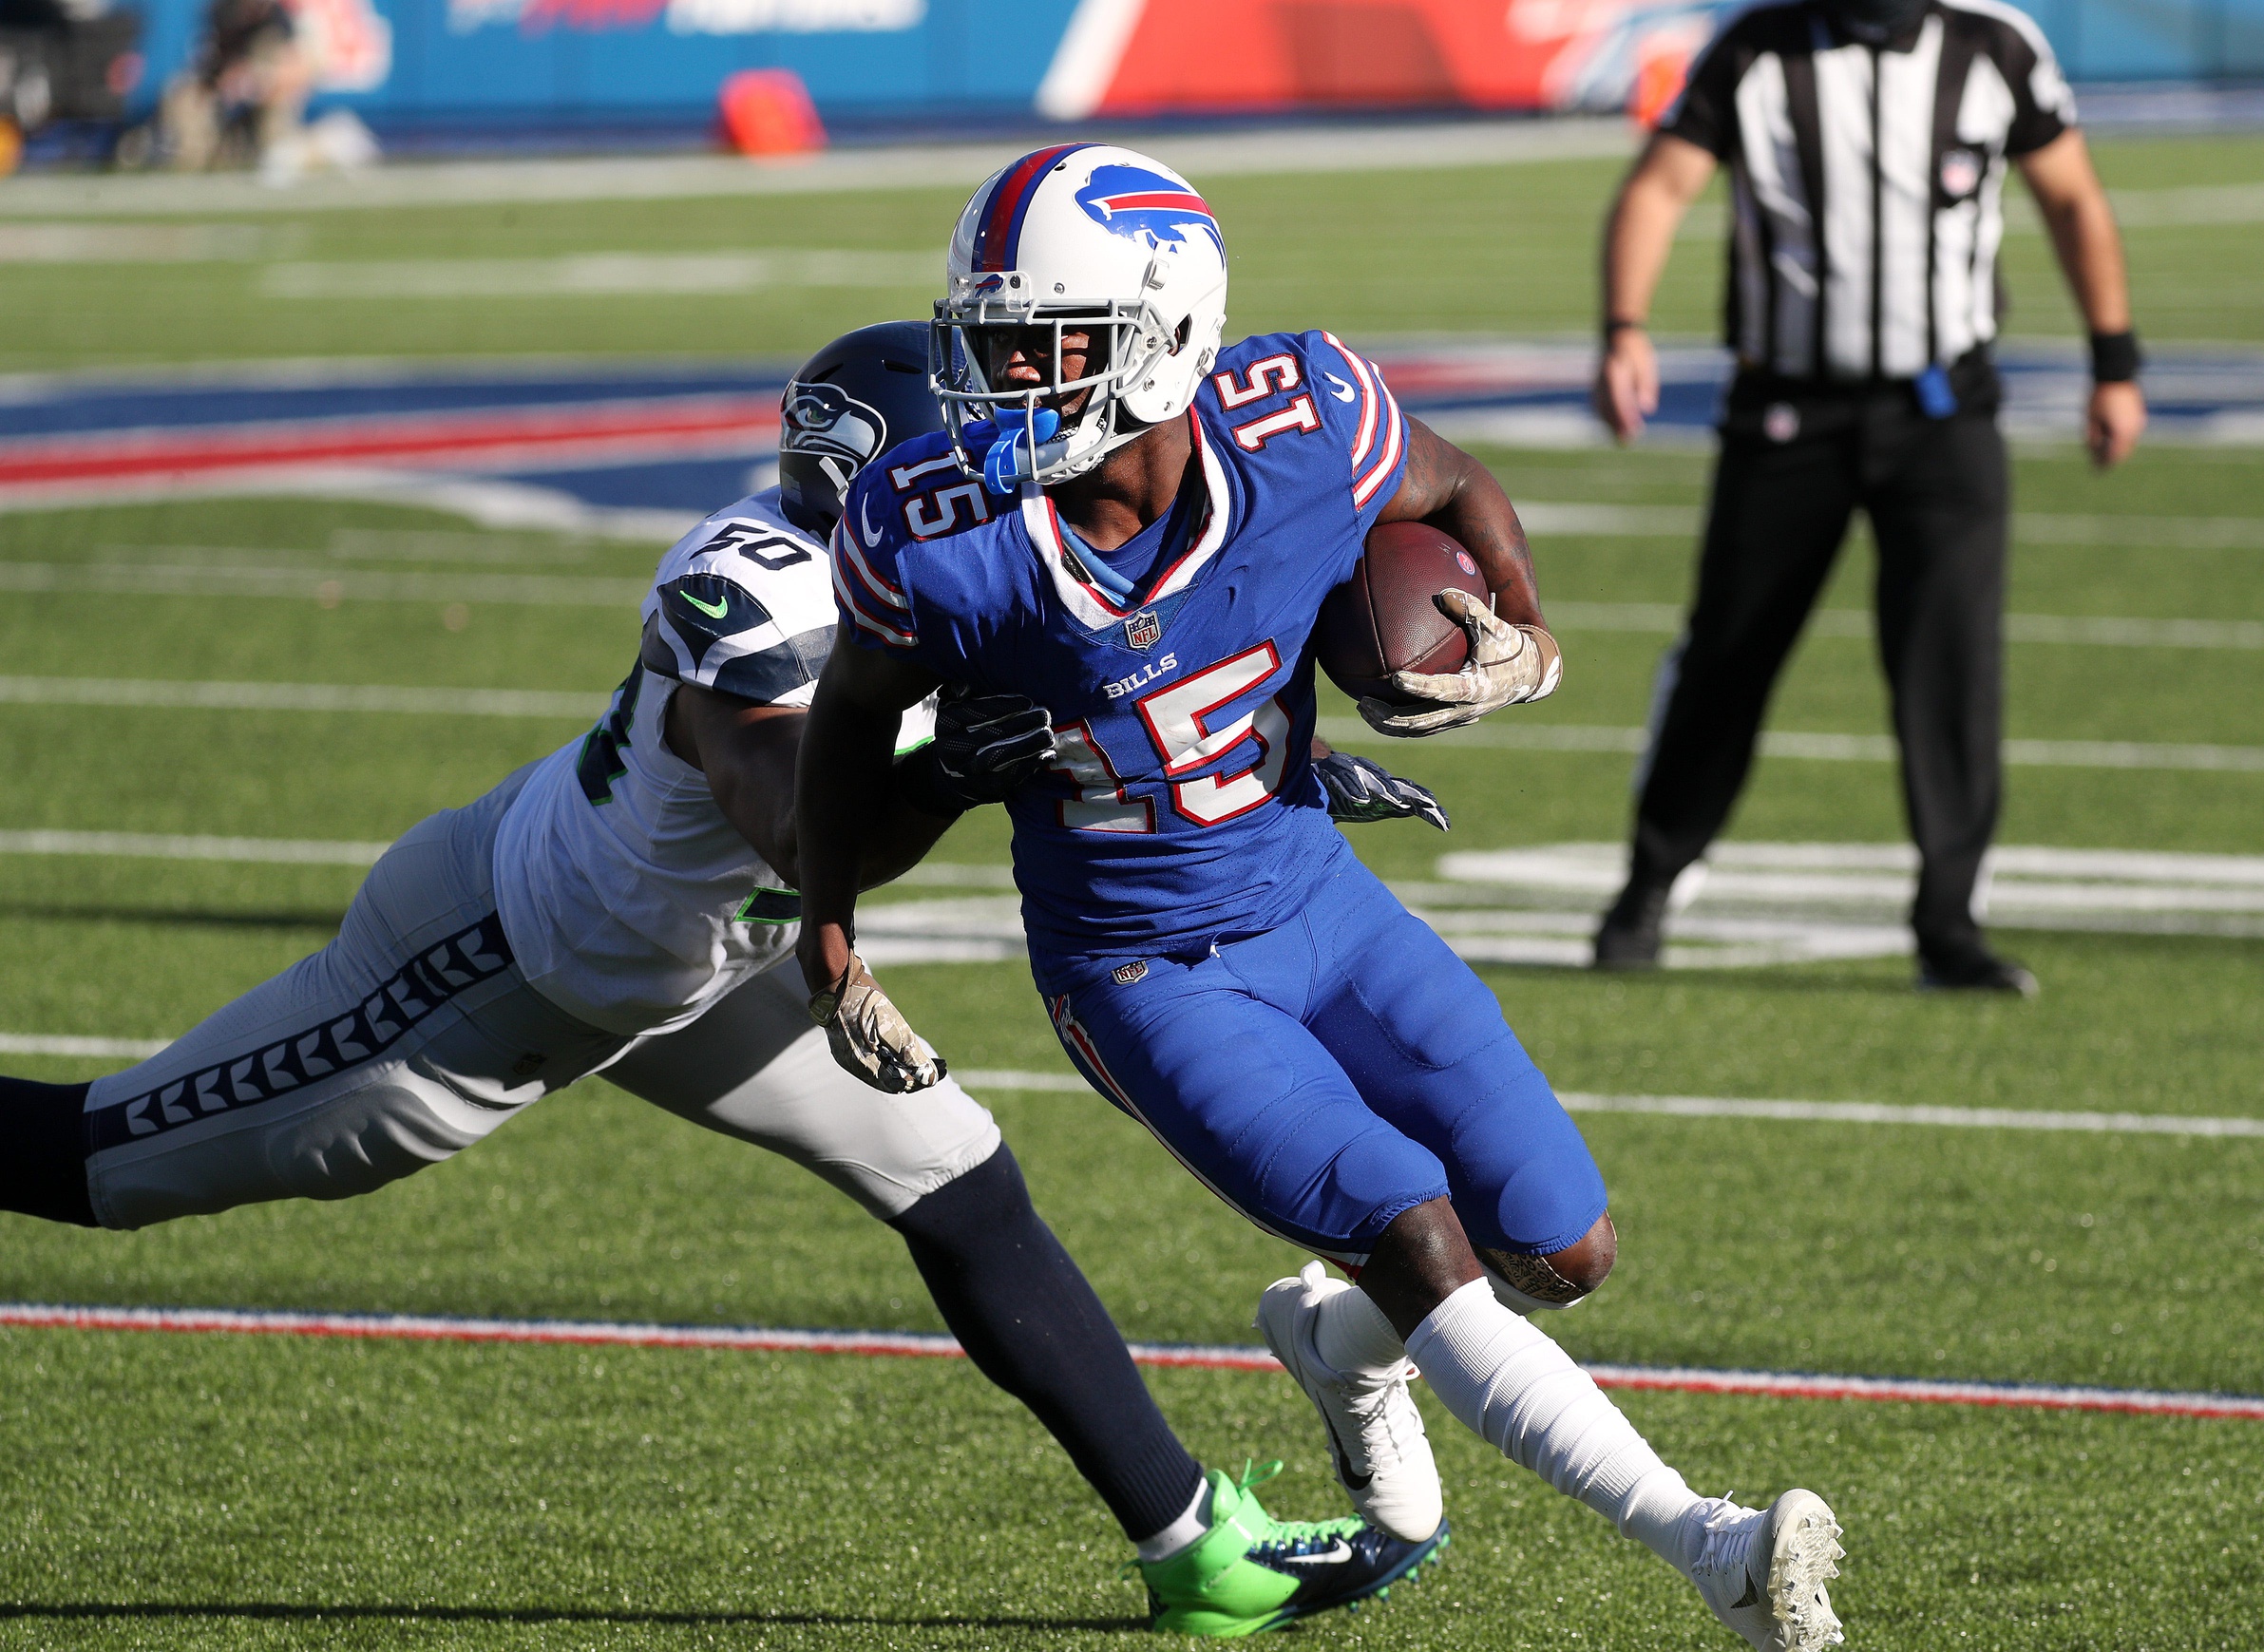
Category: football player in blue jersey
<point>1134,525</point>
<point>625,907</point>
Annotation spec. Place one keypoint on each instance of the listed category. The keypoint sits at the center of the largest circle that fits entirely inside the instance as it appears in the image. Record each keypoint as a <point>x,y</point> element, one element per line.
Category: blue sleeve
<point>867,587</point>
<point>1360,414</point>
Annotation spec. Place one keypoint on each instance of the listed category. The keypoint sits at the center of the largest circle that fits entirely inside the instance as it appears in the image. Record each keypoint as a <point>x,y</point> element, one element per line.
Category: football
<point>1384,619</point>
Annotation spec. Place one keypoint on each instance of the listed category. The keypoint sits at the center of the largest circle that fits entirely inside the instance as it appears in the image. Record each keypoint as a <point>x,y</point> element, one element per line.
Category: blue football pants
<point>1324,1076</point>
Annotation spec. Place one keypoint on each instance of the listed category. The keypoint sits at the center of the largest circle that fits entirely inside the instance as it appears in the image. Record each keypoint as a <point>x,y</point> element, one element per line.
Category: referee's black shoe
<point>1966,965</point>
<point>1630,934</point>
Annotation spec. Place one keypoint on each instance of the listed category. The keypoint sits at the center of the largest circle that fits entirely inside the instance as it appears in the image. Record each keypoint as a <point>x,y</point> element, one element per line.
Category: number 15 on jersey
<point>1183,728</point>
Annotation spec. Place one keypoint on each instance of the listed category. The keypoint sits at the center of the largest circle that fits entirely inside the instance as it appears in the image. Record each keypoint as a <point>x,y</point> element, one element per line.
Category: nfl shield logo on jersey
<point>1961,172</point>
<point>1142,629</point>
<point>1127,973</point>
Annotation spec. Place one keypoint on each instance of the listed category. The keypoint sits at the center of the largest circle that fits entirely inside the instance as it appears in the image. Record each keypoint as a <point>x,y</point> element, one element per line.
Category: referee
<point>1867,142</point>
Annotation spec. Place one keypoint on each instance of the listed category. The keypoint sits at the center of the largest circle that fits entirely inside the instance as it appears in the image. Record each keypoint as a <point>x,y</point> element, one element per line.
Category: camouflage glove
<point>1509,664</point>
<point>871,1037</point>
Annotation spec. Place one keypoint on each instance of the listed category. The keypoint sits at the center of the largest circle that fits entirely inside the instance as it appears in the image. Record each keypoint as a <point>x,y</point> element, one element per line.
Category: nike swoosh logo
<point>872,536</point>
<point>1352,1482</point>
<point>1336,1556</point>
<point>1343,393</point>
<point>713,610</point>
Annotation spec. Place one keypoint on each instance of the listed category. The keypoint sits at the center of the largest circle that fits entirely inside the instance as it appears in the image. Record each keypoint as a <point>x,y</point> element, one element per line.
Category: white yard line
<point>585,274</point>
<point>98,1049</point>
<point>2001,1118</point>
<point>1503,735</point>
<point>929,1345</point>
<point>1345,731</point>
<point>172,847</point>
<point>207,697</point>
<point>329,588</point>
<point>1576,1101</point>
<point>1585,519</point>
<point>1362,147</point>
<point>1666,618</point>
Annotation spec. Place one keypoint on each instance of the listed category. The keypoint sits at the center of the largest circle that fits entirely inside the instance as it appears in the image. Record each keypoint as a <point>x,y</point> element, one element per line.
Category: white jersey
<point>628,899</point>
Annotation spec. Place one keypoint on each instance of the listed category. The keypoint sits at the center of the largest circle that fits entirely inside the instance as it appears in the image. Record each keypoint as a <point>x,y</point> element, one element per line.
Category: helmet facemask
<point>976,333</point>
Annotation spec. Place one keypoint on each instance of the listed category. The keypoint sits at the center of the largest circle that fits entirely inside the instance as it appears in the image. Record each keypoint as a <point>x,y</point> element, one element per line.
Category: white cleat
<point>1375,1432</point>
<point>1763,1570</point>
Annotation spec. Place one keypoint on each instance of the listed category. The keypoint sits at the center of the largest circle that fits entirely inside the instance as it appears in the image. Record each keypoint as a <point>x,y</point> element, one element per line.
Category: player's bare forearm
<point>843,797</point>
<point>1455,494</point>
<point>2073,204</point>
<point>1638,238</point>
<point>1639,234</point>
<point>748,753</point>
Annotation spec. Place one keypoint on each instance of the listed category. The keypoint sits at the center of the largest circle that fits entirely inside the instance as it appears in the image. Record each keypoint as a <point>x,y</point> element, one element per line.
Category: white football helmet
<point>1081,237</point>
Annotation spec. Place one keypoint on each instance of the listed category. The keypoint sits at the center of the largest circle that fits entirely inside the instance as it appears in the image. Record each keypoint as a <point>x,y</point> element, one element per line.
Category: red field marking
<point>659,427</point>
<point>914,1344</point>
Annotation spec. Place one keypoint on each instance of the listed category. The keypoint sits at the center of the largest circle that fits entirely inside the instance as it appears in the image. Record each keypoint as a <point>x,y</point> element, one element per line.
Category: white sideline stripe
<point>915,1344</point>
<point>37,691</point>
<point>1575,1101</point>
<point>1823,748</point>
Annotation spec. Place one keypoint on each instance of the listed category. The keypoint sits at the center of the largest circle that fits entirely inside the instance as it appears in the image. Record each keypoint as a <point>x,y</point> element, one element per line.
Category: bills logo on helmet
<point>1144,205</point>
<point>828,420</point>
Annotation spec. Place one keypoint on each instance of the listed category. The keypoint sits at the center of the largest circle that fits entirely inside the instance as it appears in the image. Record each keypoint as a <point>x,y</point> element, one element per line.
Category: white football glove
<point>870,1036</point>
<point>1508,664</point>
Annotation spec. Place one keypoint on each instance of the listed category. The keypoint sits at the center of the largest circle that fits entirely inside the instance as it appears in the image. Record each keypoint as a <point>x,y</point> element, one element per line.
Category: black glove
<point>1361,791</point>
<point>985,747</point>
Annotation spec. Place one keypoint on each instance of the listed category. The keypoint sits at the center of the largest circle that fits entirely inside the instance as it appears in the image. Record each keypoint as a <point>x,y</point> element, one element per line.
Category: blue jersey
<point>1184,807</point>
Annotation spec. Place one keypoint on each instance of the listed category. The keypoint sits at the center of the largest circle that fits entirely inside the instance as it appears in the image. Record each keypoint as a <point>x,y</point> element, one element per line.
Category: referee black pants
<point>1936,493</point>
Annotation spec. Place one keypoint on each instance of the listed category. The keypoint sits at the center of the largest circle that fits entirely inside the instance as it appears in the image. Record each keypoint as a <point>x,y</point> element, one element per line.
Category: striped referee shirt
<point>1867,181</point>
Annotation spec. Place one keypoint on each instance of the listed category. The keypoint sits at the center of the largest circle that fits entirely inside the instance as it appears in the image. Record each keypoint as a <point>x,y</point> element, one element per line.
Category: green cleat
<point>1250,1572</point>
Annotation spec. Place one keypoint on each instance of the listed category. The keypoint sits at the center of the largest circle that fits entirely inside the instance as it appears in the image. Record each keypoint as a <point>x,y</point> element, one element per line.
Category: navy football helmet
<point>855,399</point>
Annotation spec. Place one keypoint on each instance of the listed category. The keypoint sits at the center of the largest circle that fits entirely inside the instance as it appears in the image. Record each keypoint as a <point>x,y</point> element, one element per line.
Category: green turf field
<point>226,1493</point>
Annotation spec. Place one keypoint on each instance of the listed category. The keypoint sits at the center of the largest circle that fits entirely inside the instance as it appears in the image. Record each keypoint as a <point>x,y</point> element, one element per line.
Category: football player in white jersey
<point>626,905</point>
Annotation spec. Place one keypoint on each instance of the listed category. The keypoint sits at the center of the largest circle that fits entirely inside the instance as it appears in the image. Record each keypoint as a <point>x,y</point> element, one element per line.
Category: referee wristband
<point>2114,357</point>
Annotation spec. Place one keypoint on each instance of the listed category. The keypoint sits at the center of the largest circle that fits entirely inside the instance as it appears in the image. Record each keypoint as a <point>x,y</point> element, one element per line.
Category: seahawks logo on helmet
<point>828,421</point>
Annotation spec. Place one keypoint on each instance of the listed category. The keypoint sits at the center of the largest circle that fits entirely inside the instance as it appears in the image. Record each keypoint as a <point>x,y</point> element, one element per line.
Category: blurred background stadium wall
<point>502,68</point>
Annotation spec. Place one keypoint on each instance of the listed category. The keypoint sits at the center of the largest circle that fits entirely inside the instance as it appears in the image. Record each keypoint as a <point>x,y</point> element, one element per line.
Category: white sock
<point>1353,1338</point>
<point>1183,1533</point>
<point>1524,1397</point>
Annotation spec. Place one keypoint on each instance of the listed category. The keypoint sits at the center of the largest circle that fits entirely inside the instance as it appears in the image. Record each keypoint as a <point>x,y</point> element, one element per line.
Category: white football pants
<point>413,1035</point>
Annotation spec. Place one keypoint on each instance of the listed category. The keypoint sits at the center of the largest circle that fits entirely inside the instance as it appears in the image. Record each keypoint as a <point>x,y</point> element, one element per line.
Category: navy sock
<point>43,1150</point>
<point>1031,1323</point>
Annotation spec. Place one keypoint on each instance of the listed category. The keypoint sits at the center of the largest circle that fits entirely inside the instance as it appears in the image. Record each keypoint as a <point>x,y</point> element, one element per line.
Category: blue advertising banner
<point>566,62</point>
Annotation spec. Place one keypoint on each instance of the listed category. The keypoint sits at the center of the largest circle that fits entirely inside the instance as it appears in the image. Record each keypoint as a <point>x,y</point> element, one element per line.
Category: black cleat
<point>1630,934</point>
<point>1968,966</point>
